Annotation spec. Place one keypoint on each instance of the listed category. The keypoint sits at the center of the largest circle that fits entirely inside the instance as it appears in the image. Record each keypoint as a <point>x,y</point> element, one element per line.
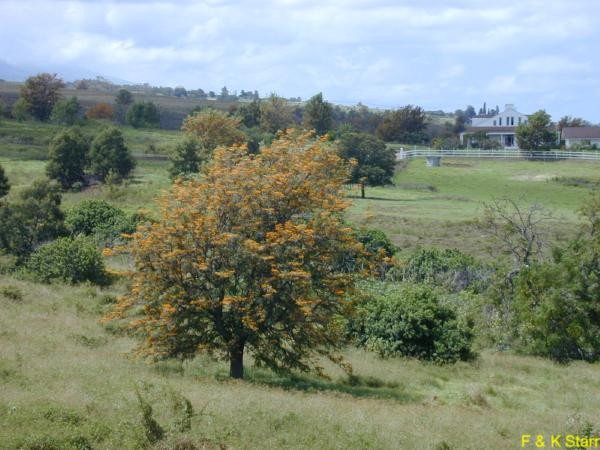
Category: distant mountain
<point>10,72</point>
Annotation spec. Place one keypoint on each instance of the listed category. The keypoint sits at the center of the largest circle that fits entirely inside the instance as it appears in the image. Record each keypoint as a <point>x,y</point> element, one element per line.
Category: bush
<point>34,217</point>
<point>100,111</point>
<point>67,157</point>
<point>100,219</point>
<point>72,260</point>
<point>375,241</point>
<point>108,153</point>
<point>448,268</point>
<point>186,159</point>
<point>67,112</point>
<point>143,115</point>
<point>12,293</point>
<point>409,320</point>
<point>4,184</point>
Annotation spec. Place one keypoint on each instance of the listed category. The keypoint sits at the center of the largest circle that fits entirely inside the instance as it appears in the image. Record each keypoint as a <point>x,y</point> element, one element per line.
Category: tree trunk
<point>362,190</point>
<point>236,361</point>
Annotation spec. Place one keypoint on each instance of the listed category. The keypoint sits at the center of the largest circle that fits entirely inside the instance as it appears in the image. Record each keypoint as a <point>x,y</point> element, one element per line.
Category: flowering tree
<point>247,258</point>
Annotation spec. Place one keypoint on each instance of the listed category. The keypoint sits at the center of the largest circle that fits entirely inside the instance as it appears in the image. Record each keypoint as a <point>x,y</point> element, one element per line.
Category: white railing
<point>504,153</point>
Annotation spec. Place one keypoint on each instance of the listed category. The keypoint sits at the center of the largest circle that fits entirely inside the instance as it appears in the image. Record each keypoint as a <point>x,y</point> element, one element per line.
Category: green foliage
<point>143,115</point>
<point>409,320</point>
<point>109,153</point>
<point>99,219</point>
<point>317,114</point>
<point>406,125</point>
<point>123,97</point>
<point>41,93</point>
<point>449,268</point>
<point>66,112</point>
<point>67,157</point>
<point>4,184</point>
<point>275,114</point>
<point>375,241</point>
<point>249,114</point>
<point>535,134</point>
<point>34,217</point>
<point>375,161</point>
<point>72,260</point>
<point>20,110</point>
<point>186,159</point>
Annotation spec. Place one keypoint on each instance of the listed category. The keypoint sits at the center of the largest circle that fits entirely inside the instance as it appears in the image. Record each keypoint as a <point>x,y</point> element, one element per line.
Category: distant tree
<point>124,97</point>
<point>108,154</point>
<point>485,111</point>
<point>19,110</point>
<point>66,111</point>
<point>67,157</point>
<point>275,114</point>
<point>244,260</point>
<point>406,125</point>
<point>317,114</point>
<point>81,85</point>
<point>187,158</point>
<point>34,217</point>
<point>41,92</point>
<point>535,134</point>
<point>375,163</point>
<point>4,184</point>
<point>143,115</point>
<point>180,91</point>
<point>470,112</point>
<point>224,93</point>
<point>211,94</point>
<point>461,118</point>
<point>213,128</point>
<point>100,111</point>
<point>249,114</point>
<point>568,121</point>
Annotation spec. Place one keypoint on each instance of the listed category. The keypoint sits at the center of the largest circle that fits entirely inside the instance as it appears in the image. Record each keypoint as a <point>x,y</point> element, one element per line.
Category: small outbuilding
<point>576,136</point>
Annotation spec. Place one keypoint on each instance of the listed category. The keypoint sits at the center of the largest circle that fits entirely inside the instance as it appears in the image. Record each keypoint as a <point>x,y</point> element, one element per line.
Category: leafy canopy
<point>109,154</point>
<point>213,128</point>
<point>67,157</point>
<point>247,258</point>
<point>374,161</point>
<point>40,93</point>
<point>535,134</point>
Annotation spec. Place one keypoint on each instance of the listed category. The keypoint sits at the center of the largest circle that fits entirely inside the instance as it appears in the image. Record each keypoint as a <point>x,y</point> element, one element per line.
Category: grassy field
<point>67,381</point>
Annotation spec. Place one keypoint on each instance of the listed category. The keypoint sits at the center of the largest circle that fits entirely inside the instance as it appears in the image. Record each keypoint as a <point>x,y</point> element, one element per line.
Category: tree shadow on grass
<point>357,386</point>
<point>403,200</point>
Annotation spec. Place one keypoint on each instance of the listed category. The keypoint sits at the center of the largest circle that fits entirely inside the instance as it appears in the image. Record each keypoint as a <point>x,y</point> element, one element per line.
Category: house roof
<point>484,116</point>
<point>490,129</point>
<point>581,133</point>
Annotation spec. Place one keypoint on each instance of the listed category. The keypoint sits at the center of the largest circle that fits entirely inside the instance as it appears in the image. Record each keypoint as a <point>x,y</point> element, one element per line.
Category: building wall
<point>510,117</point>
<point>570,142</point>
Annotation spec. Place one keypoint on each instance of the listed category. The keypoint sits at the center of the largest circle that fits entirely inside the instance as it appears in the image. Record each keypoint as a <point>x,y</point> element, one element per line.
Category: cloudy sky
<point>384,53</point>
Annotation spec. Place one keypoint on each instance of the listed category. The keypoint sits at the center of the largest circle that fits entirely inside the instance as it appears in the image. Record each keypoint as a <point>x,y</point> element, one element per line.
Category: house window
<point>494,123</point>
<point>512,121</point>
<point>500,119</point>
<point>519,120</point>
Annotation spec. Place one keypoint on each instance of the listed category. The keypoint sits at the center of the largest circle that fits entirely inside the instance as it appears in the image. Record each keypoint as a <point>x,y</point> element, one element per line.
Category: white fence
<point>505,154</point>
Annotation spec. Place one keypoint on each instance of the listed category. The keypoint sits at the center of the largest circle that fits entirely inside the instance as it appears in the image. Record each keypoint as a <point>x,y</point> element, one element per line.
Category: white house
<point>500,127</point>
<point>580,136</point>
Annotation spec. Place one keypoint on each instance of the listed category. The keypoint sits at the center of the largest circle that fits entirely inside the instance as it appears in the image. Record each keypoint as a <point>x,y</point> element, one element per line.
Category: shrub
<point>34,217</point>
<point>143,115</point>
<point>72,260</point>
<point>108,153</point>
<point>409,320</point>
<point>67,157</point>
<point>100,219</point>
<point>448,268</point>
<point>4,184</point>
<point>186,159</point>
<point>66,112</point>
<point>375,241</point>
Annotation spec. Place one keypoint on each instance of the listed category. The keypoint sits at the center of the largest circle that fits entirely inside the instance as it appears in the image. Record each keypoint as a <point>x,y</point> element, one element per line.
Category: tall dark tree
<point>249,114</point>
<point>318,114</point>
<point>67,157</point>
<point>110,154</point>
<point>40,93</point>
<point>568,121</point>
<point>470,112</point>
<point>375,162</point>
<point>124,97</point>
<point>406,124</point>
<point>535,134</point>
<point>4,184</point>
